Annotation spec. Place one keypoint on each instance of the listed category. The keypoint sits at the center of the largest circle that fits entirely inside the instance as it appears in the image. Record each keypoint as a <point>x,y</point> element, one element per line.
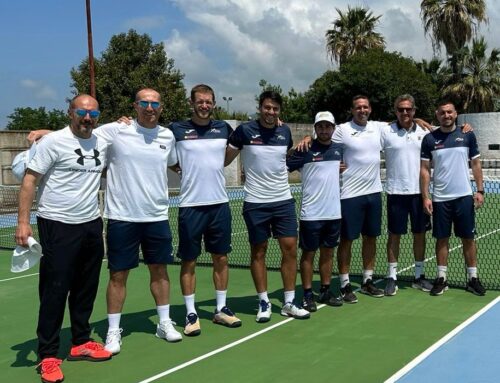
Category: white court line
<point>214,352</point>
<point>420,358</point>
<point>19,277</point>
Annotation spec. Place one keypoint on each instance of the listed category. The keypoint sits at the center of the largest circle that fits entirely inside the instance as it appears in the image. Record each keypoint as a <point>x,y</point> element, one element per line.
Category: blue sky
<point>228,44</point>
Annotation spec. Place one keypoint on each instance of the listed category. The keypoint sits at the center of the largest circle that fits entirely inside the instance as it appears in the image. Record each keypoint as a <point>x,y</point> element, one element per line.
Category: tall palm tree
<point>452,22</point>
<point>477,82</point>
<point>352,32</point>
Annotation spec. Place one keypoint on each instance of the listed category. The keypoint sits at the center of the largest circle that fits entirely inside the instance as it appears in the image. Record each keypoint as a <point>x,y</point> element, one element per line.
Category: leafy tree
<point>32,119</point>
<point>382,76</point>
<point>295,108</point>
<point>132,62</point>
<point>220,113</point>
<point>476,85</point>
<point>353,32</point>
<point>452,22</point>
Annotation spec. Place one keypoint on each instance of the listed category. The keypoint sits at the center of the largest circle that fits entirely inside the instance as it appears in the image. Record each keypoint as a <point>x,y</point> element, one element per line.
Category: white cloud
<point>39,90</point>
<point>234,44</point>
<point>145,23</point>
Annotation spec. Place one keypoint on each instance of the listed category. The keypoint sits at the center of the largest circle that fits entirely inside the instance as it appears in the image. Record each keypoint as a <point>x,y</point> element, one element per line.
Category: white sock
<point>289,296</point>
<point>263,296</point>
<point>114,321</point>
<point>220,297</point>
<point>189,301</point>
<point>163,312</point>
<point>344,280</point>
<point>419,269</point>
<point>392,270</point>
<point>442,271</point>
<point>367,274</point>
<point>472,272</point>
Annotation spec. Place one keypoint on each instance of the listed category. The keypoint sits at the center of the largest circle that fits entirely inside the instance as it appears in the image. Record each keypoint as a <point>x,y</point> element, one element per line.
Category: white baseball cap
<point>21,161</point>
<point>324,116</point>
<point>24,258</point>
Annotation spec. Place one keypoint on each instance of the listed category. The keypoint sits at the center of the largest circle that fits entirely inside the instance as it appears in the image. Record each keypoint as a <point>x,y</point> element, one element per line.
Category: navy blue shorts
<point>399,206</point>
<point>460,212</point>
<point>361,215</point>
<point>321,233</point>
<point>124,238</point>
<point>212,223</point>
<point>262,219</point>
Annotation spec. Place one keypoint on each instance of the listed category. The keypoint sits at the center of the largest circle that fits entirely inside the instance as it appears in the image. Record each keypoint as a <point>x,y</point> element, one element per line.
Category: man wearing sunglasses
<point>204,205</point>
<point>137,212</point>
<point>401,143</point>
<point>68,163</point>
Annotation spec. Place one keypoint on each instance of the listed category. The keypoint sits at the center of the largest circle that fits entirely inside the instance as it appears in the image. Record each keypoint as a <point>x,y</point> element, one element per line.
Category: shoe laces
<point>113,335</point>
<point>49,365</point>
<point>191,318</point>
<point>263,305</point>
<point>167,324</point>
<point>93,346</point>
<point>226,310</point>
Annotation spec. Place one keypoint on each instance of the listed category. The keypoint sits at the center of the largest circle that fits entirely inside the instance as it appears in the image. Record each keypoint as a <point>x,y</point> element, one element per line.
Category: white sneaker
<point>264,313</point>
<point>113,341</point>
<point>166,330</point>
<point>290,310</point>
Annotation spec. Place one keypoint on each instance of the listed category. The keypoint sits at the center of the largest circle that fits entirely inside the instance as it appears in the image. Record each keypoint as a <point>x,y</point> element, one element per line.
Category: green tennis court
<point>366,342</point>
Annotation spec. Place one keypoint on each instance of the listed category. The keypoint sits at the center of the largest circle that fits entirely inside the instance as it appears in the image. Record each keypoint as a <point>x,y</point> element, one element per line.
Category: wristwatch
<point>480,192</point>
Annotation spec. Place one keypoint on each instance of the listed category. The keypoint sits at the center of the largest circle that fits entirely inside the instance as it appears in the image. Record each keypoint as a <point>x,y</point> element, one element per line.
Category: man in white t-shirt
<point>361,199</point>
<point>401,143</point>
<point>68,164</point>
<point>137,212</point>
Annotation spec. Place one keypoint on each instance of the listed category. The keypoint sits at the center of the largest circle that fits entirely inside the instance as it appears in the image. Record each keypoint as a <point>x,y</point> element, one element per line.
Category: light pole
<point>227,99</point>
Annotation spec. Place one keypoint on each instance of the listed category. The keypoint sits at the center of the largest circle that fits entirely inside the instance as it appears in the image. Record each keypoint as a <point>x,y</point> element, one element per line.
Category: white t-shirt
<point>71,168</point>
<point>402,158</point>
<point>362,148</point>
<point>137,183</point>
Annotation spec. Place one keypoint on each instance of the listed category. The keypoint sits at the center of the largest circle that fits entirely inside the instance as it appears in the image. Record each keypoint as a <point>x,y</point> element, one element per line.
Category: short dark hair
<point>272,95</point>
<point>446,101</point>
<point>202,88</point>
<point>360,97</point>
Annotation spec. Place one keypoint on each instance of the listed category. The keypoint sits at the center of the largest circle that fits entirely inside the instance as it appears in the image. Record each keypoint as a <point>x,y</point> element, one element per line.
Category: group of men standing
<point>137,154</point>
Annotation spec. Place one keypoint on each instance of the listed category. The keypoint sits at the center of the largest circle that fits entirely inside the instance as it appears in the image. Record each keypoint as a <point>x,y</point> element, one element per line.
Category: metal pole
<point>91,50</point>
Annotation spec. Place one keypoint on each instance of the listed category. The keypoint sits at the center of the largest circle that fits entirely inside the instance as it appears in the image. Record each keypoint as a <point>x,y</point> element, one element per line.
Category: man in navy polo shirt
<point>320,210</point>
<point>204,205</point>
<point>268,204</point>
<point>452,200</point>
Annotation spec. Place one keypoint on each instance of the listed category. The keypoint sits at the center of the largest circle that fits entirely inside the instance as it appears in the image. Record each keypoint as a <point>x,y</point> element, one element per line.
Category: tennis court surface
<point>366,342</point>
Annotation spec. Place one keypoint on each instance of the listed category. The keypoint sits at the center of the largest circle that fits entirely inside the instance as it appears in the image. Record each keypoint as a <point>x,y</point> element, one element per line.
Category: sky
<point>228,44</point>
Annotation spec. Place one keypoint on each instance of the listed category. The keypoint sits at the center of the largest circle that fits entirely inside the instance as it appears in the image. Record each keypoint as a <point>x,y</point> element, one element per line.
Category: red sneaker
<point>91,351</point>
<point>50,371</point>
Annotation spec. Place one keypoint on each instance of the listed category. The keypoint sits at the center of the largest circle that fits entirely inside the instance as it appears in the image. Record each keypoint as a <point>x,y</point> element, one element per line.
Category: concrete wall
<point>12,142</point>
<point>487,129</point>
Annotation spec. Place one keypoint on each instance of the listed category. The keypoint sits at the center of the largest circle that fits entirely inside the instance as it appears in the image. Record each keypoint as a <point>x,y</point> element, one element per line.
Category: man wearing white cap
<point>69,164</point>
<point>320,210</point>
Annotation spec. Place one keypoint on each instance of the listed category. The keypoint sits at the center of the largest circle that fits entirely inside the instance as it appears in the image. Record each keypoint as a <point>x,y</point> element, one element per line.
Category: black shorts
<point>460,212</point>
<point>124,239</point>
<point>321,233</point>
<point>361,215</point>
<point>264,219</point>
<point>212,223</point>
<point>399,207</point>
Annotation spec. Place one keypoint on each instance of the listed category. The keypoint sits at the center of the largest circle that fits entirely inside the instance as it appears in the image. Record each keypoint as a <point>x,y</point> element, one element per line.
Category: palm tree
<point>353,32</point>
<point>452,22</point>
<point>477,82</point>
